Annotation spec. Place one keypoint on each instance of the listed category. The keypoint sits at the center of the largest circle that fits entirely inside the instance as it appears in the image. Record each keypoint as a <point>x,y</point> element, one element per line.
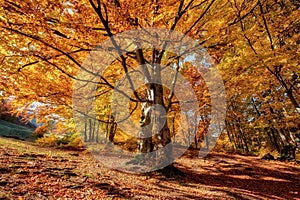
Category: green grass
<point>8,129</point>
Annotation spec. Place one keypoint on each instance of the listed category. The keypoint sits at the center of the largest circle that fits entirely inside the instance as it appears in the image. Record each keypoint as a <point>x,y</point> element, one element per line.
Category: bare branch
<point>200,17</point>
<point>120,52</point>
<point>265,24</point>
<point>240,18</point>
<point>49,58</point>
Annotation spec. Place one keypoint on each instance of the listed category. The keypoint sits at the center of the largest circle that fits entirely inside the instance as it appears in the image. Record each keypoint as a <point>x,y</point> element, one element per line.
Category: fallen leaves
<point>32,172</point>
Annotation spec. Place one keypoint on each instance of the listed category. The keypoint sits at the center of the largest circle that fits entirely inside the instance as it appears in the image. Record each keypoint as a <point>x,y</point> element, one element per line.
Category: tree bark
<point>112,129</point>
<point>85,132</point>
<point>154,134</point>
<point>90,130</point>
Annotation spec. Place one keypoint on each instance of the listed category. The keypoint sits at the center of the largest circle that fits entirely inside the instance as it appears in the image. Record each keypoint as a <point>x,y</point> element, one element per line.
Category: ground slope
<point>31,172</point>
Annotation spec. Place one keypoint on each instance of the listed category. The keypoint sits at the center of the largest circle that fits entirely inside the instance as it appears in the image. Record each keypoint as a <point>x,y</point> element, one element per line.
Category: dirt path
<point>31,172</point>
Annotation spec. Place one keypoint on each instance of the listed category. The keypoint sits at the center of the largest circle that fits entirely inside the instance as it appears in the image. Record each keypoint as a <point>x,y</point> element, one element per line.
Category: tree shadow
<point>244,177</point>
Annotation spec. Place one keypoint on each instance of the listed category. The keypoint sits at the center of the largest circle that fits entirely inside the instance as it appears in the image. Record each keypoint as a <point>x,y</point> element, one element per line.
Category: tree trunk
<point>196,142</point>
<point>85,132</point>
<point>97,132</point>
<point>93,129</point>
<point>154,132</point>
<point>275,140</point>
<point>206,141</point>
<point>90,130</point>
<point>144,141</point>
<point>231,137</point>
<point>161,131</point>
<point>112,129</point>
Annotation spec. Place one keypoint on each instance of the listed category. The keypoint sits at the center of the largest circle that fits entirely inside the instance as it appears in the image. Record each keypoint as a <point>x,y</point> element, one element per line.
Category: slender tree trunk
<point>206,140</point>
<point>97,132</point>
<point>107,132</point>
<point>238,137</point>
<point>173,129</point>
<point>90,130</point>
<point>85,132</point>
<point>93,130</point>
<point>112,129</point>
<point>196,142</point>
<point>244,138</point>
<point>231,131</point>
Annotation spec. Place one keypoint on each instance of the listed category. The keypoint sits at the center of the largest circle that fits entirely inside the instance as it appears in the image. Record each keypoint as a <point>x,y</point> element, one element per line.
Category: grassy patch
<point>8,129</point>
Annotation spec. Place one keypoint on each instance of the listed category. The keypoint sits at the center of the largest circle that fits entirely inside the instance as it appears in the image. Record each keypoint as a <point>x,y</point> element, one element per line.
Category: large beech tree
<point>45,43</point>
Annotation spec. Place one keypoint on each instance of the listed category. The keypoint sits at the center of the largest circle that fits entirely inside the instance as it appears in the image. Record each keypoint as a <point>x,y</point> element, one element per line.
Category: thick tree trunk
<point>144,141</point>
<point>154,134</point>
<point>145,133</point>
<point>275,140</point>
<point>161,131</point>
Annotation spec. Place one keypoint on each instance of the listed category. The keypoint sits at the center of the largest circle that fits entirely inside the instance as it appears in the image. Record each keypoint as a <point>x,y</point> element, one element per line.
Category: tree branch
<point>120,52</point>
<point>200,17</point>
<point>265,24</point>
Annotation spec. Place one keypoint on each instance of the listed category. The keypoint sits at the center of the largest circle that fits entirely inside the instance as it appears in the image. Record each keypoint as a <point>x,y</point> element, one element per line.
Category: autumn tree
<point>45,43</point>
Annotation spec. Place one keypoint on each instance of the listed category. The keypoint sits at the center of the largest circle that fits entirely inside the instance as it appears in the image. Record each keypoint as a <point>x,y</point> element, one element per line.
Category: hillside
<point>14,126</point>
<point>8,129</point>
<point>32,172</point>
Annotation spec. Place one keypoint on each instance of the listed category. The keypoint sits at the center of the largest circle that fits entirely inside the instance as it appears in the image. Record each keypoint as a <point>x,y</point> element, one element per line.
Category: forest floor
<point>28,171</point>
